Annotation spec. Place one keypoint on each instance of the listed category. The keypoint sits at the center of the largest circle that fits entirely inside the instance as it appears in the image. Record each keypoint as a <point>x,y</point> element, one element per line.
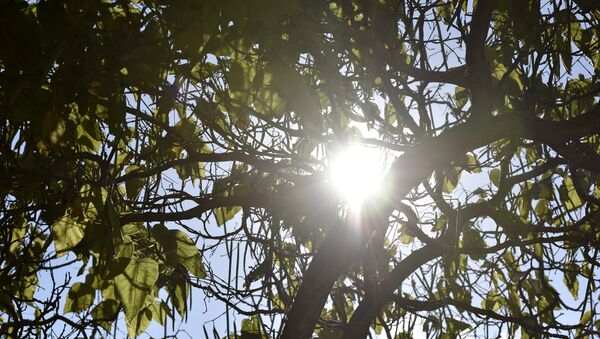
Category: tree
<point>143,140</point>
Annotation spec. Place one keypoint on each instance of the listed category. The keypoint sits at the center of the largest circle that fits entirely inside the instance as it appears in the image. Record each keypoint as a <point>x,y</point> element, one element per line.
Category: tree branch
<point>345,243</point>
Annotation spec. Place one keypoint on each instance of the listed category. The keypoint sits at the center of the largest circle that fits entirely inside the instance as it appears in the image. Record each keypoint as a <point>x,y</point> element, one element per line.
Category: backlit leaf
<point>179,248</point>
<point>80,298</point>
<point>67,233</point>
<point>106,312</point>
<point>135,283</point>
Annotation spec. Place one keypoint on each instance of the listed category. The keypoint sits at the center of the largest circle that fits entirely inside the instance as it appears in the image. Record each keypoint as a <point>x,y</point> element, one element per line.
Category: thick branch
<point>478,74</point>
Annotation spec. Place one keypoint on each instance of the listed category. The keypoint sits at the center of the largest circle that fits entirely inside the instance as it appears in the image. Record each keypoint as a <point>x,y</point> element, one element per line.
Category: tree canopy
<point>154,150</point>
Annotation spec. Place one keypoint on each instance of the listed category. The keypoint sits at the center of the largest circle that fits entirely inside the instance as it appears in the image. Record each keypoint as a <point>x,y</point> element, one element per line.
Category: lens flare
<point>356,173</point>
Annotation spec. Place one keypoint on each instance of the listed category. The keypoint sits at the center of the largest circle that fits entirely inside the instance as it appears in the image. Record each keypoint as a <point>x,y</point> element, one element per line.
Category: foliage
<point>141,141</point>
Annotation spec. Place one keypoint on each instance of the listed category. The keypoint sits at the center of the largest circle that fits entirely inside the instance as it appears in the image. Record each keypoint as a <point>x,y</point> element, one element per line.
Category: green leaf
<point>456,326</point>
<point>303,99</point>
<point>441,223</point>
<point>179,248</point>
<point>586,317</point>
<point>445,10</point>
<point>570,279</point>
<point>541,208</point>
<point>95,281</point>
<point>524,204</point>
<point>6,304</point>
<point>222,187</point>
<point>511,82</point>
<point>258,272</point>
<point>461,96</point>
<point>106,312</point>
<point>451,180</point>
<point>160,311</point>
<point>251,328</point>
<point>87,135</point>
<point>109,292</point>
<point>27,286</point>
<point>495,177</point>
<point>449,186</point>
<point>133,185</point>
<point>80,298</point>
<point>572,200</point>
<point>327,333</point>
<point>140,323</point>
<point>472,238</point>
<point>473,165</point>
<point>67,233</point>
<point>178,292</point>
<point>121,260</point>
<point>190,170</point>
<point>135,284</point>
<point>224,214</point>
<point>406,238</point>
<point>235,77</point>
<point>18,232</point>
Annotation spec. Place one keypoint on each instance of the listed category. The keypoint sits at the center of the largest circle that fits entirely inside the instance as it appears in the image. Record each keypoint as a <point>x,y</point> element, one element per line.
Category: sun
<point>356,173</point>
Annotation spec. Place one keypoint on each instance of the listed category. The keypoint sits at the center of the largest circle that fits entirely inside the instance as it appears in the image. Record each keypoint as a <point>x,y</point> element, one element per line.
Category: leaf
<point>406,238</point>
<point>18,232</point>
<point>27,286</point>
<point>541,208</point>
<point>179,248</point>
<point>441,223</point>
<point>160,311</point>
<point>473,165</point>
<point>586,317</point>
<point>121,260</point>
<point>224,214</point>
<point>327,333</point>
<point>524,204</point>
<point>570,279</point>
<point>222,187</point>
<point>106,312</point>
<point>135,284</point>
<point>251,328</point>
<point>445,10</point>
<point>472,238</point>
<point>80,298</point>
<point>133,185</point>
<point>235,77</point>
<point>451,179</point>
<point>511,82</point>
<point>190,170</point>
<point>456,326</point>
<point>95,281</point>
<point>461,96</point>
<point>67,233</point>
<point>449,186</point>
<point>495,177</point>
<point>109,292</point>
<point>303,99</point>
<point>178,292</point>
<point>140,323</point>
<point>6,304</point>
<point>572,200</point>
<point>258,272</point>
<point>87,135</point>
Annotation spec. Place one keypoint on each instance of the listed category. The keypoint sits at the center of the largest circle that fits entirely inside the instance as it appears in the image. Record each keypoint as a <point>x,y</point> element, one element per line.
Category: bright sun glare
<point>356,172</point>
